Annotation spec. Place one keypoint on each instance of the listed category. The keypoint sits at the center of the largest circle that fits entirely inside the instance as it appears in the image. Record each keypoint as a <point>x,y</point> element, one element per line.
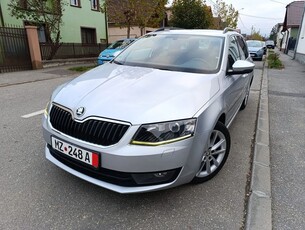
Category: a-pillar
<point>34,46</point>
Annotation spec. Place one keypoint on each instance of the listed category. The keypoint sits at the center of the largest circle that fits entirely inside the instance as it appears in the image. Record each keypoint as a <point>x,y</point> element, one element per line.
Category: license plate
<point>77,153</point>
<point>252,55</point>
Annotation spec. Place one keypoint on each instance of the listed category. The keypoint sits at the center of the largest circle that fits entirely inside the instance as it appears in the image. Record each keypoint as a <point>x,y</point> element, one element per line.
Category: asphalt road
<point>35,194</point>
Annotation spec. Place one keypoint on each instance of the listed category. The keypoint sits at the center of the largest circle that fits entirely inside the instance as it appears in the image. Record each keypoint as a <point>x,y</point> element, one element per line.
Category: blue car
<point>113,50</point>
<point>256,49</point>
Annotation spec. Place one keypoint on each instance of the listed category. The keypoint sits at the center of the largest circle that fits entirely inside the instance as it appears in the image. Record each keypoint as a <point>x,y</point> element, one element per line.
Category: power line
<point>212,2</point>
<point>243,23</point>
<point>278,2</point>
<point>252,16</point>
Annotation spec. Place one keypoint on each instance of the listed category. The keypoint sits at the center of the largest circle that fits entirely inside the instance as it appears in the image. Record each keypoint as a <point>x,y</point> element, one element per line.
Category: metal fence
<point>71,50</point>
<point>14,50</point>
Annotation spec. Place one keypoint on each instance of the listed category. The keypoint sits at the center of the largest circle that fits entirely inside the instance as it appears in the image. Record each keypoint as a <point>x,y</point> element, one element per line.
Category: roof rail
<point>167,28</point>
<point>227,29</point>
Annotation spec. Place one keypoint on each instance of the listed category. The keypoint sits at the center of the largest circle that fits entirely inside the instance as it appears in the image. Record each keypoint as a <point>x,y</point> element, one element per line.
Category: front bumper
<point>256,55</point>
<point>124,167</point>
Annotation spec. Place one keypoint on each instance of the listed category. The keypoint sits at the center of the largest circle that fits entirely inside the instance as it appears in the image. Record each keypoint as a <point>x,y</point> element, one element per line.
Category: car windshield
<point>120,44</point>
<point>254,44</point>
<point>175,52</point>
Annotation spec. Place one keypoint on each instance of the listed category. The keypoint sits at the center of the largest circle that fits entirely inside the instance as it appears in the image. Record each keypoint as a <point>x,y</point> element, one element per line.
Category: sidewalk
<point>28,76</point>
<point>277,187</point>
<point>287,144</point>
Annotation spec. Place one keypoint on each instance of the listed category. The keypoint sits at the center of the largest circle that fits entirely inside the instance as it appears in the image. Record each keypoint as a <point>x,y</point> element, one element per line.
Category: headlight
<point>47,109</point>
<point>164,133</point>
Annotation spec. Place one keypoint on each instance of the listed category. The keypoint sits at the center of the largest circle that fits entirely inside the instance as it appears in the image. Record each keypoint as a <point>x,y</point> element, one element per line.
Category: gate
<point>14,50</point>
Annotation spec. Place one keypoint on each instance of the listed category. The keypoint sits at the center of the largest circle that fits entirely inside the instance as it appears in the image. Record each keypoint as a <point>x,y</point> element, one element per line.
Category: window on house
<point>94,5</point>
<point>88,36</point>
<point>41,31</point>
<point>41,34</point>
<point>75,3</point>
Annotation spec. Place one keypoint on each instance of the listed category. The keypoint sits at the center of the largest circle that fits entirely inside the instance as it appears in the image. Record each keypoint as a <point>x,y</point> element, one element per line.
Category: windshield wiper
<point>163,68</point>
<point>117,62</point>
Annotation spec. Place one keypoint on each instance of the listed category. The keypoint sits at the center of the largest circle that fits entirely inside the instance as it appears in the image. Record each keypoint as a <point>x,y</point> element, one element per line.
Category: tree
<point>150,12</point>
<point>191,14</point>
<point>273,33</point>
<point>127,13</point>
<point>121,12</point>
<point>227,13</point>
<point>47,13</point>
<point>255,35</point>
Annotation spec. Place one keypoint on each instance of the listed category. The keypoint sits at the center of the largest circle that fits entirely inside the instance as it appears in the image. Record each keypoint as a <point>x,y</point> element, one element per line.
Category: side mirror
<point>241,67</point>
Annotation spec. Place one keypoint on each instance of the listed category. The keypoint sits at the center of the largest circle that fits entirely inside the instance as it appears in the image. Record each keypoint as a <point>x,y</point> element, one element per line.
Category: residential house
<point>300,49</point>
<point>279,35</point>
<point>117,30</point>
<point>291,25</point>
<point>83,21</point>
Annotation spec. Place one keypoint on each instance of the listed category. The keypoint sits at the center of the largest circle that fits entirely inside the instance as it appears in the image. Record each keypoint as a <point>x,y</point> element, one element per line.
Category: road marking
<point>33,114</point>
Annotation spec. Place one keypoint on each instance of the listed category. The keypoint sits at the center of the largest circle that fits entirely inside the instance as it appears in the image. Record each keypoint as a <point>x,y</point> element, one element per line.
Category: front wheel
<point>215,155</point>
<point>245,101</point>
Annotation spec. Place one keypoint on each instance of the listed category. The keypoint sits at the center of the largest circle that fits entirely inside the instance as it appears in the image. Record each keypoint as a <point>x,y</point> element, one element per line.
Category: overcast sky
<point>262,14</point>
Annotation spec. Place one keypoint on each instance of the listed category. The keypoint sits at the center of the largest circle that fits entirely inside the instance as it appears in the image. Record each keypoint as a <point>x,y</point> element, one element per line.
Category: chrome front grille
<point>99,132</point>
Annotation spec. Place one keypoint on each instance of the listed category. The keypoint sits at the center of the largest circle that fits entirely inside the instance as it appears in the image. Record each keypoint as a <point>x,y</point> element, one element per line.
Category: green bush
<point>273,61</point>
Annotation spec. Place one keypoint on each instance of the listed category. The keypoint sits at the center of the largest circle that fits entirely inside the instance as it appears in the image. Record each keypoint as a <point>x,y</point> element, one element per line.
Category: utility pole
<point>1,17</point>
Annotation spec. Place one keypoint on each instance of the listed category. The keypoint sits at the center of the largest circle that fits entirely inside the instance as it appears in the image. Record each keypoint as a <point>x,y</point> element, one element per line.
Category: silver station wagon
<point>154,117</point>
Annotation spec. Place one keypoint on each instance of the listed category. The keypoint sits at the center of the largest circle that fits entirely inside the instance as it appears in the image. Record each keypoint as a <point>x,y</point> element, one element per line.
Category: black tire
<point>210,158</point>
<point>245,101</point>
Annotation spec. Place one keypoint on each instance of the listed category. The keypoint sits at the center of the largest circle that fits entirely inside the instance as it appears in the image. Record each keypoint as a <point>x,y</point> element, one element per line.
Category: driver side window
<point>233,52</point>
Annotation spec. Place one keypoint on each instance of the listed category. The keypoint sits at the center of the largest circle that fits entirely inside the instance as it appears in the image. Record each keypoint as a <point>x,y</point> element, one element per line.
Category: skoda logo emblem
<point>80,111</point>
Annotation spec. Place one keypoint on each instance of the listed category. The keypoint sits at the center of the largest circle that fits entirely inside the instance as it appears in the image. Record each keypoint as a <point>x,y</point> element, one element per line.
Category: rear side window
<point>243,48</point>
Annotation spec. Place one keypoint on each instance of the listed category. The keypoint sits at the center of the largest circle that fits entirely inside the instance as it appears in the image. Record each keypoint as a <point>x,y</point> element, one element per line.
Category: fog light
<point>160,174</point>
<point>155,177</point>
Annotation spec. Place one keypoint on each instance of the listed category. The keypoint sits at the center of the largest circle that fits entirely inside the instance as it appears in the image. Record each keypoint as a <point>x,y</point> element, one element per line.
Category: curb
<point>259,215</point>
<point>69,61</point>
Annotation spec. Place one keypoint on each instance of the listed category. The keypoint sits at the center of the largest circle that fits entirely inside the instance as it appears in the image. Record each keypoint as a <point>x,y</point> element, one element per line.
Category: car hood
<point>254,49</point>
<point>137,95</point>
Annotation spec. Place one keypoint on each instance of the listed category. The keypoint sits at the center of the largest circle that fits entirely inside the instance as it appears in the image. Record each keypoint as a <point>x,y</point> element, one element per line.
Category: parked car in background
<point>256,49</point>
<point>154,117</point>
<point>270,44</point>
<point>113,50</point>
<point>265,48</point>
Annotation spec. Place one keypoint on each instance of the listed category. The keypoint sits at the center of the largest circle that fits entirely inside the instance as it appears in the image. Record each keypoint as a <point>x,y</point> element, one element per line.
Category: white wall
<point>285,38</point>
<point>279,37</point>
<point>116,33</point>
<point>301,43</point>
